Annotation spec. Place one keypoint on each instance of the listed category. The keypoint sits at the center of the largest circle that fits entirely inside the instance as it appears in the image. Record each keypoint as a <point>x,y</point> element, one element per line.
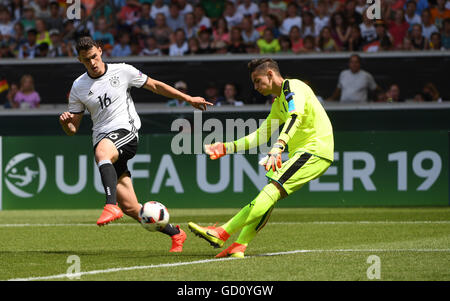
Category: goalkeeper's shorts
<point>301,168</point>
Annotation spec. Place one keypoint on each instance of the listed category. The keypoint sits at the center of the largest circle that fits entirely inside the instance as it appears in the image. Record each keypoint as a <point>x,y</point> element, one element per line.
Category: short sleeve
<point>75,105</point>
<point>135,77</point>
<point>339,84</point>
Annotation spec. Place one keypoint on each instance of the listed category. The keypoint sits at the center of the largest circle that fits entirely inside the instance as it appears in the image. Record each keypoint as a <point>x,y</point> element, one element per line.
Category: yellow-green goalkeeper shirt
<point>307,127</point>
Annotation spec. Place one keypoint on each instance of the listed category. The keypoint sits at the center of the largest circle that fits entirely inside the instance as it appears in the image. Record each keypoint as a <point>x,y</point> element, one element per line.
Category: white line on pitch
<point>176,264</point>
<point>271,223</point>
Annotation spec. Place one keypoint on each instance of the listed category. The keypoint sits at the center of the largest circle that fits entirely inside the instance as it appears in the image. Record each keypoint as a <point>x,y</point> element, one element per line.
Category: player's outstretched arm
<point>165,90</point>
<point>70,122</point>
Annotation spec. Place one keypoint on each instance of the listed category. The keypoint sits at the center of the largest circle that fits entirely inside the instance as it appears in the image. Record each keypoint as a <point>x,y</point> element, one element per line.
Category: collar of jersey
<point>106,70</point>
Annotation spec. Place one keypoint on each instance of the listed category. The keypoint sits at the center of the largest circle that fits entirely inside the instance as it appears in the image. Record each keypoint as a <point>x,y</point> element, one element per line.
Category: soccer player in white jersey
<point>104,90</point>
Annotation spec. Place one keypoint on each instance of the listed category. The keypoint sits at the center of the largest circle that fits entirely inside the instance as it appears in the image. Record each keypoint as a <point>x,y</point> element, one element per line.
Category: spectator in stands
<point>211,92</point>
<point>5,50</point>
<point>151,47</point>
<point>420,6</point>
<point>439,13</point>
<point>42,50</point>
<point>309,45</point>
<point>162,33</point>
<point>194,46</point>
<point>435,42</point>
<point>292,19</point>
<point>340,31</point>
<point>248,8</point>
<point>175,20</point>
<point>6,25</point>
<point>213,8</point>
<point>249,34</point>
<point>354,83</point>
<point>272,23</point>
<point>233,17</point>
<point>27,96</point>
<point>55,48</point>
<point>321,19</point>
<point>285,44</point>
<point>277,8</point>
<point>42,33</point>
<point>41,8</point>
<point>268,43</point>
<point>184,7</point>
<point>445,38</point>
<point>16,8</point>
<point>398,28</point>
<point>355,41</point>
<point>260,20</point>
<point>229,96</point>
<point>84,26</point>
<point>220,47</point>
<point>102,35</point>
<point>368,31</point>
<point>158,7</point>
<point>220,31</point>
<point>200,18</point>
<point>236,43</point>
<point>383,41</point>
<point>180,45</point>
<point>308,26</point>
<point>428,93</point>
<point>128,15</point>
<point>17,39</point>
<point>427,27</point>
<point>418,41</point>
<point>180,86</point>
<point>410,14</point>
<point>189,27</point>
<point>122,48</point>
<point>55,21</point>
<point>205,41</point>
<point>12,91</point>
<point>326,42</point>
<point>28,19</point>
<point>102,8</point>
<point>351,16</point>
<point>393,94</point>
<point>28,50</point>
<point>296,39</point>
<point>407,45</point>
<point>145,22</point>
<point>332,6</point>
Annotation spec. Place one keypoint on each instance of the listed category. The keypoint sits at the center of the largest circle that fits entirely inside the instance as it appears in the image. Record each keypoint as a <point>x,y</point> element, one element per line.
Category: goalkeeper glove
<point>219,149</point>
<point>273,159</point>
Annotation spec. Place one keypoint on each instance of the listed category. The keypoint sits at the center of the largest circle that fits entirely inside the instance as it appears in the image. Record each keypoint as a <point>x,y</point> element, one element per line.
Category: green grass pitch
<point>296,244</point>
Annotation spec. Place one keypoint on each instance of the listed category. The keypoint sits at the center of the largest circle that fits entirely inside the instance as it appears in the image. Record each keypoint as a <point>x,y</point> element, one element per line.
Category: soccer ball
<point>153,216</point>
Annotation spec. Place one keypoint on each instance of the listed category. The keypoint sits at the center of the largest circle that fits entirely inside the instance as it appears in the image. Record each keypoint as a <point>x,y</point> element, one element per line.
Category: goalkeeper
<point>308,134</point>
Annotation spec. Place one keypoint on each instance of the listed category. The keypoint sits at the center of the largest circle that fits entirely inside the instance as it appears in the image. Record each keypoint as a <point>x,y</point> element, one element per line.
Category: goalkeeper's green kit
<point>308,134</point>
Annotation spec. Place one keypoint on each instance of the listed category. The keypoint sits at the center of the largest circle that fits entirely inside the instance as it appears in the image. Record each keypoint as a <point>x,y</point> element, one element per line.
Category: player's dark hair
<point>263,64</point>
<point>85,43</point>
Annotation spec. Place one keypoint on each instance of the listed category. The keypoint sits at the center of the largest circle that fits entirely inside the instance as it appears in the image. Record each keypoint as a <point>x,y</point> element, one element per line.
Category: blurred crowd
<point>42,28</point>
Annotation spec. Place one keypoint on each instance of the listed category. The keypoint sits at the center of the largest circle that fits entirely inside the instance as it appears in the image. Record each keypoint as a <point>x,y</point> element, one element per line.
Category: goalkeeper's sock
<point>249,231</point>
<point>109,180</point>
<point>170,230</point>
<point>254,211</point>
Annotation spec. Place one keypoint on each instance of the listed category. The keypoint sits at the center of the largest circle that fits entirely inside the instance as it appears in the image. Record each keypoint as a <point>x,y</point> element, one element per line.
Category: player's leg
<point>254,211</point>
<point>247,234</point>
<point>106,154</point>
<point>128,202</point>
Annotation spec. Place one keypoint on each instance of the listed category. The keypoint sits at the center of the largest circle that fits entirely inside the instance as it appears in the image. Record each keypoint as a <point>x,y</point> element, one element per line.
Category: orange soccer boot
<point>235,250</point>
<point>178,240</point>
<point>110,213</point>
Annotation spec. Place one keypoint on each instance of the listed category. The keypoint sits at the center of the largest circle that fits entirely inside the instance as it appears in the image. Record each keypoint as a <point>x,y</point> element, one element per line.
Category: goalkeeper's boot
<point>178,240</point>
<point>216,236</point>
<point>110,213</point>
<point>235,250</point>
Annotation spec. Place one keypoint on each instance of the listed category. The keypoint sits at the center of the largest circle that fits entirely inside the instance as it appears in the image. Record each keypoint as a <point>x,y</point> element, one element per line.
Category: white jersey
<point>108,99</point>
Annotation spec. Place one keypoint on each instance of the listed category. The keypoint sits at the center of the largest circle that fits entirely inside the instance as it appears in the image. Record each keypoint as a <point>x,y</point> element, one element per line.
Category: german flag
<point>3,85</point>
